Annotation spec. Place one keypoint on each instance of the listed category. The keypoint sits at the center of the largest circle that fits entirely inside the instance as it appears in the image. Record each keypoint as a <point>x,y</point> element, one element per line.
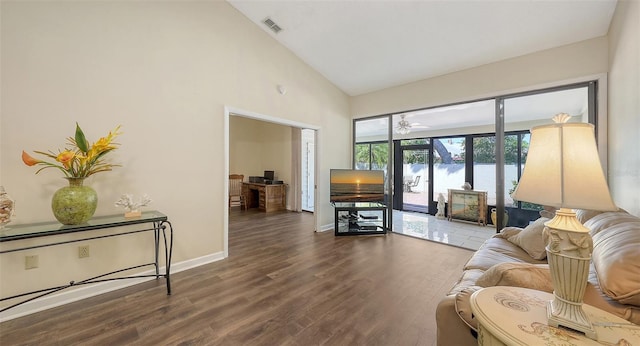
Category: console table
<point>468,205</point>
<point>150,221</point>
<point>266,197</point>
<point>518,316</point>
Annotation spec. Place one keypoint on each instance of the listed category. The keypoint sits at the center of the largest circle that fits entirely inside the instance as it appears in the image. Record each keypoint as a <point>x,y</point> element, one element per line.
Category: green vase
<point>74,204</point>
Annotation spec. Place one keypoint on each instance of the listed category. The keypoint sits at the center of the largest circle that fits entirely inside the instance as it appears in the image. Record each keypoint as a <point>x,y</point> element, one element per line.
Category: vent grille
<point>272,25</point>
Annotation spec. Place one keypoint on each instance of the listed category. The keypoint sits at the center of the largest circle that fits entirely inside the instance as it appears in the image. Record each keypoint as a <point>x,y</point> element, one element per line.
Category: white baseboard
<point>88,291</point>
<point>325,228</point>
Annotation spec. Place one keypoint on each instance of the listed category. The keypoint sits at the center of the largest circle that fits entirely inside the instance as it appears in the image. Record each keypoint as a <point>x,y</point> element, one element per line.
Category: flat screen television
<point>350,185</point>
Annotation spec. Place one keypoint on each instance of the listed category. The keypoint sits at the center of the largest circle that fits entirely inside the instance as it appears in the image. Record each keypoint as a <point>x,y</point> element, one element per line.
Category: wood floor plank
<point>283,284</point>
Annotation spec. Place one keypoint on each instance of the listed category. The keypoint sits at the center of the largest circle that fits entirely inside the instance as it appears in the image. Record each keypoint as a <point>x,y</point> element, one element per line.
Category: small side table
<point>518,316</point>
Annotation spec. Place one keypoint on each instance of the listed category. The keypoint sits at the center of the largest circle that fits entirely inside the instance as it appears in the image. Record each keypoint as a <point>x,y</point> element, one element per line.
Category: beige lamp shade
<point>563,169</point>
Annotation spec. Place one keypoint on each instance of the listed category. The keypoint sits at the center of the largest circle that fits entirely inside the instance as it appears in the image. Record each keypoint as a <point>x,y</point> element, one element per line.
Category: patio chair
<point>414,183</point>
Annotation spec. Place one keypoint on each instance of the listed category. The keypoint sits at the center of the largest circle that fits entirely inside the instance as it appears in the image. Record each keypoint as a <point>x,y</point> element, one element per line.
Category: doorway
<point>293,188</point>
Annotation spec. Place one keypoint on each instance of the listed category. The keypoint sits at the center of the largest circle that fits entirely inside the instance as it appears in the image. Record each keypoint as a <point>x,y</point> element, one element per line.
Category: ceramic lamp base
<point>569,250</point>
<point>570,277</point>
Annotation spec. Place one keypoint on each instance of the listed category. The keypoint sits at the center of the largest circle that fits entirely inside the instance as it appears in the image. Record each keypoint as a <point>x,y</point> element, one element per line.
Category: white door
<point>308,178</point>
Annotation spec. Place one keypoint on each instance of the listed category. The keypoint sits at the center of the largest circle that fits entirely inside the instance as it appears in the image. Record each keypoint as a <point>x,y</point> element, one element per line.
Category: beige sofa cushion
<point>531,239</point>
<point>468,278</point>
<point>497,250</point>
<point>616,255</point>
<point>534,276</point>
<point>594,296</point>
<point>463,306</point>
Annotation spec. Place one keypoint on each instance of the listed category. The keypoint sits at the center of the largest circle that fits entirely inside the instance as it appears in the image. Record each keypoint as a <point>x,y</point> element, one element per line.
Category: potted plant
<point>76,203</point>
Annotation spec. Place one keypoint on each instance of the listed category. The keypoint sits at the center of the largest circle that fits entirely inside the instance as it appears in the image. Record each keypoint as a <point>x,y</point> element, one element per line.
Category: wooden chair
<point>236,198</point>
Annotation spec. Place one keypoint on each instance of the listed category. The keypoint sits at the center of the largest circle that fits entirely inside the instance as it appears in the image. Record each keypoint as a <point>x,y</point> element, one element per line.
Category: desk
<point>158,224</point>
<point>518,316</point>
<point>266,197</point>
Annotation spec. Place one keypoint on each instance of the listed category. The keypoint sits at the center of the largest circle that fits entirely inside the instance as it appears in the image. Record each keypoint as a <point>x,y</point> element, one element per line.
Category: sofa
<point>516,257</point>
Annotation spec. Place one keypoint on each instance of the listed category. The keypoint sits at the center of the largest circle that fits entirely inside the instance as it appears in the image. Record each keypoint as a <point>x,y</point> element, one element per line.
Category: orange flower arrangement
<point>81,159</point>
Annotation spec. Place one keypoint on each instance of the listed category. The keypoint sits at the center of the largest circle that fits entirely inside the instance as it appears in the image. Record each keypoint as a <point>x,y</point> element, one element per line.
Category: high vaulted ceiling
<point>364,46</point>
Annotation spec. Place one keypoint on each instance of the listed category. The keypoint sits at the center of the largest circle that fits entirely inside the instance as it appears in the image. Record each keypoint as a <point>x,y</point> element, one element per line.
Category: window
<point>448,165</point>
<point>363,156</point>
<point>371,156</point>
<point>484,166</point>
<point>513,171</point>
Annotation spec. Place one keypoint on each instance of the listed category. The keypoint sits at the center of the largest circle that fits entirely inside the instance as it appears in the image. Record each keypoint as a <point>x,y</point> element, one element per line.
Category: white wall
<point>165,71</point>
<point>624,106</point>
<point>581,59</point>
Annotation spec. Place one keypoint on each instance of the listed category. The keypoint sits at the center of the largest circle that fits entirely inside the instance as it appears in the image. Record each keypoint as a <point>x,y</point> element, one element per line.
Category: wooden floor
<point>282,284</point>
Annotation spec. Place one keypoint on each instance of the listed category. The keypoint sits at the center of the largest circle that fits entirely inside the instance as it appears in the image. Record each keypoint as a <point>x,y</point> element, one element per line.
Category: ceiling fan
<point>404,126</point>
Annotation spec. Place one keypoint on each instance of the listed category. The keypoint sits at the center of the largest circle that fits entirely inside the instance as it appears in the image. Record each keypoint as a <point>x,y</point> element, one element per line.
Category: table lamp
<point>563,170</point>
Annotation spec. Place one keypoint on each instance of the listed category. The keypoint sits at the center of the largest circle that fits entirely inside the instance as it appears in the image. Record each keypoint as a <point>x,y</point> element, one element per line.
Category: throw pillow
<point>534,276</point>
<point>584,215</point>
<point>531,239</point>
<point>507,232</point>
<point>548,212</point>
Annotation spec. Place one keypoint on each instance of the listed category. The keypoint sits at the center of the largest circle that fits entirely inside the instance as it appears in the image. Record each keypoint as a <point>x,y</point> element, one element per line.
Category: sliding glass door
<point>412,174</point>
<point>415,174</point>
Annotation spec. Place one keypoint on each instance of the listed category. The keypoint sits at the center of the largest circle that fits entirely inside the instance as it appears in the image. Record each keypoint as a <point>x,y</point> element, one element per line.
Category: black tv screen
<point>349,185</point>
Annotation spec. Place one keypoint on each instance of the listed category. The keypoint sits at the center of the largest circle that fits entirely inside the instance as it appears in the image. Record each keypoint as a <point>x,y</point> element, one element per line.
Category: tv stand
<point>355,218</point>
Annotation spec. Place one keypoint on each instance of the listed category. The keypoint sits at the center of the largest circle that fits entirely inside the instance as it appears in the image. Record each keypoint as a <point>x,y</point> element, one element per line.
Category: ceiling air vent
<point>272,25</point>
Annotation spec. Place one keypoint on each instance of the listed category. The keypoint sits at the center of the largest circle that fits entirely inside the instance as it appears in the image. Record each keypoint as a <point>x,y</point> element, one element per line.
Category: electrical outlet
<point>31,262</point>
<point>83,251</point>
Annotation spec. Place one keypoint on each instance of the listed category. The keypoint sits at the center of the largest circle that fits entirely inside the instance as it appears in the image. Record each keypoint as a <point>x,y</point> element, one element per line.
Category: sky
<point>348,176</point>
